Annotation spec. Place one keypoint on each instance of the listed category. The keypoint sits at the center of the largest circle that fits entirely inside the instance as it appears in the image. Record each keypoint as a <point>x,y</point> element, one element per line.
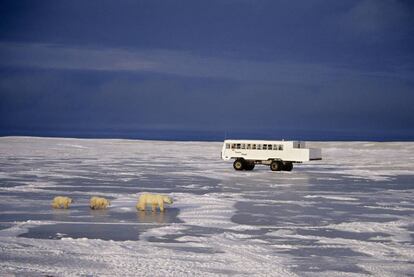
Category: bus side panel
<point>315,154</point>
<point>294,155</point>
<point>226,154</point>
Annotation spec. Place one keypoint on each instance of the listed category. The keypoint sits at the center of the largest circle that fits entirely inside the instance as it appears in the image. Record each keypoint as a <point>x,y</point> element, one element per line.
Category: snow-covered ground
<point>350,214</point>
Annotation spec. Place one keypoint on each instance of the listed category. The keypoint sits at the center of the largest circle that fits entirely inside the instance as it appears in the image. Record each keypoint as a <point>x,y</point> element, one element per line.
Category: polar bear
<point>97,203</point>
<point>154,200</point>
<point>61,202</point>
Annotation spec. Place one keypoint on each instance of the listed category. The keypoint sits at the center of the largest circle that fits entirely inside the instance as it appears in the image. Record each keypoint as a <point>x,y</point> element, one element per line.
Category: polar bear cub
<point>97,203</point>
<point>154,200</point>
<point>61,202</point>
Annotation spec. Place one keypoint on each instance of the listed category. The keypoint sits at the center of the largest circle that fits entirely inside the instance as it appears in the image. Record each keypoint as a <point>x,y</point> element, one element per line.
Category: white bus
<point>280,155</point>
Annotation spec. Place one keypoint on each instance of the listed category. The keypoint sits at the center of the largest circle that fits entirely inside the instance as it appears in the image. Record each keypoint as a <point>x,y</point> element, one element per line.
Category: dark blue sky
<point>202,69</point>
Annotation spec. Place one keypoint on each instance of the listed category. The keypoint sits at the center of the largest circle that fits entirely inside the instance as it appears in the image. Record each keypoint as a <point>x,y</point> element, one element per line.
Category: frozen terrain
<point>350,214</point>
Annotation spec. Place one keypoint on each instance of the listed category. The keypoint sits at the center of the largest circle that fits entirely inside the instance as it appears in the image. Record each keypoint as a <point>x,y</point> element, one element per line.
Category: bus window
<point>249,146</point>
<point>274,146</point>
<point>227,145</point>
<point>233,146</point>
<point>280,147</point>
<point>243,146</point>
<point>259,147</point>
<point>264,146</point>
<point>254,146</point>
<point>238,146</point>
<point>269,146</point>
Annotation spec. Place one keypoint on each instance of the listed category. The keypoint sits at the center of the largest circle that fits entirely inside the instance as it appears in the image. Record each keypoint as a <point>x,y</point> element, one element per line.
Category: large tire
<point>276,166</point>
<point>249,165</point>
<point>239,164</point>
<point>287,166</point>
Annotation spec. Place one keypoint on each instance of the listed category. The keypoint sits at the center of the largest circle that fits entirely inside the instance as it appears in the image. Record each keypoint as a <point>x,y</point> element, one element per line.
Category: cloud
<point>375,17</point>
<point>129,89</point>
<point>61,57</point>
<point>181,63</point>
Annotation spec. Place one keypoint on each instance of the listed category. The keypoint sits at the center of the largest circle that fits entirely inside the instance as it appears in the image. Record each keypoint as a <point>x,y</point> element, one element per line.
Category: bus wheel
<point>275,166</point>
<point>287,166</point>
<point>249,165</point>
<point>238,164</point>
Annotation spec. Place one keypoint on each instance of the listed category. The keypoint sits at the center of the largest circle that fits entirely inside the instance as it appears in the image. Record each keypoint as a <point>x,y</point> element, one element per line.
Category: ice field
<point>351,214</point>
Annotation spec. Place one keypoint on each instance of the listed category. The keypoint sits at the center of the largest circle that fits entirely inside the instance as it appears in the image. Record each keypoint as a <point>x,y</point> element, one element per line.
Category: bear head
<point>167,200</point>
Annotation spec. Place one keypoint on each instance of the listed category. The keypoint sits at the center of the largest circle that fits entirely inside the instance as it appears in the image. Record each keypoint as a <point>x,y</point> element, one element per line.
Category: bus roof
<point>259,141</point>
